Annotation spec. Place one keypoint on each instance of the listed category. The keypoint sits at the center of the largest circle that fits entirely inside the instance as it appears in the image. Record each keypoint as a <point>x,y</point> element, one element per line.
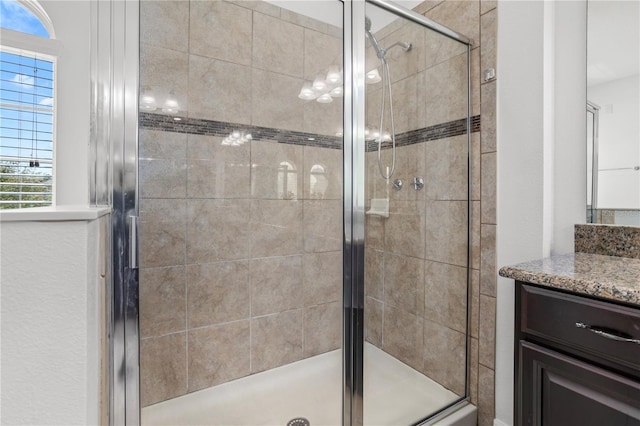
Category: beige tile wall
<point>488,271</point>
<point>197,187</point>
<point>233,286</point>
<point>415,260</point>
<point>238,61</point>
<point>238,274</point>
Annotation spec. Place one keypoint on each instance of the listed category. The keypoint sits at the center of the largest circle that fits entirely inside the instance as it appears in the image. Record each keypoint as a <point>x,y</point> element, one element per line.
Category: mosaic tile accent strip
<point>196,126</point>
<point>608,240</point>
<point>431,133</point>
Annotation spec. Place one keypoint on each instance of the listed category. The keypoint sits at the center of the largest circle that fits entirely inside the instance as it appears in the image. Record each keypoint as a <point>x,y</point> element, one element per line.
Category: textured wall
<point>50,322</point>
<point>241,263</point>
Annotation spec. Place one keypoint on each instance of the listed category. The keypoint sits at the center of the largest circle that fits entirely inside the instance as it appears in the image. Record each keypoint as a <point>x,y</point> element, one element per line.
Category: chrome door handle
<point>133,241</point>
<point>608,333</point>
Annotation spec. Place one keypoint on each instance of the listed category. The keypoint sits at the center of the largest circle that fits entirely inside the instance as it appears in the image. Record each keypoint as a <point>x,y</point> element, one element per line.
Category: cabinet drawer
<point>558,390</point>
<point>581,323</point>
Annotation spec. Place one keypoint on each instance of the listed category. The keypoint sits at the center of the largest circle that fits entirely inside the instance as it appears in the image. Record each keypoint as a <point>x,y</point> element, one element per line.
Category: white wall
<point>50,326</point>
<point>570,152</point>
<point>71,20</point>
<point>50,322</point>
<point>520,169</point>
<point>619,147</point>
<point>541,138</point>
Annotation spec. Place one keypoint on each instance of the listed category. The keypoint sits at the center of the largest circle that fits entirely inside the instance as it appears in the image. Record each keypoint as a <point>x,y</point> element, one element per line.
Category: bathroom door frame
<point>119,33</point>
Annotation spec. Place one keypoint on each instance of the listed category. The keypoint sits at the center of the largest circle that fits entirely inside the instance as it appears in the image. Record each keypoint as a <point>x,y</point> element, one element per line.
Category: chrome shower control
<point>397,184</point>
<point>489,74</point>
<point>418,183</point>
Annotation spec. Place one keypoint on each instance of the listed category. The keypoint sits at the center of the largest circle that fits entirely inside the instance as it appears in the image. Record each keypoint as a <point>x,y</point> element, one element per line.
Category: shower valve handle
<point>418,183</point>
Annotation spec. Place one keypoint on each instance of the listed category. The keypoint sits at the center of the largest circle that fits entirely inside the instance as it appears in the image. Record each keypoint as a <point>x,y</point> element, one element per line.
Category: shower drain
<point>298,421</point>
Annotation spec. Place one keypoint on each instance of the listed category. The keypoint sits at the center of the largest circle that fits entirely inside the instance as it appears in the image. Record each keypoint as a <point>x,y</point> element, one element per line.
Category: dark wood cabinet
<point>567,374</point>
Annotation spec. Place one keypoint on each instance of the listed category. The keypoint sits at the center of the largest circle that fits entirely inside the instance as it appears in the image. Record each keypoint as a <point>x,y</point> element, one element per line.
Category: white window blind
<point>26,129</point>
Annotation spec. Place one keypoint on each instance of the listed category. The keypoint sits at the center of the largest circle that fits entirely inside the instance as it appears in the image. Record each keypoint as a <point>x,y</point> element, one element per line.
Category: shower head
<point>380,52</point>
<point>367,26</point>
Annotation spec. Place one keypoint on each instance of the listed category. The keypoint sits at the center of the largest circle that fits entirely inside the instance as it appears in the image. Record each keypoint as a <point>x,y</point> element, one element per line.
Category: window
<point>26,130</point>
<point>27,113</point>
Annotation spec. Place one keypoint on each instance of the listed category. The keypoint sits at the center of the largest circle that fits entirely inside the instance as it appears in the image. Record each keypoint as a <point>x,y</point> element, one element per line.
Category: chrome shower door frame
<point>113,177</point>
<point>354,207</point>
<point>116,106</point>
<point>594,110</point>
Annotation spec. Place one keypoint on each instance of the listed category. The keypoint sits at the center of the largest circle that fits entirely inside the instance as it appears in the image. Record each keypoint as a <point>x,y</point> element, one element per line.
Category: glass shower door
<point>240,166</point>
<point>252,202</point>
<point>417,214</point>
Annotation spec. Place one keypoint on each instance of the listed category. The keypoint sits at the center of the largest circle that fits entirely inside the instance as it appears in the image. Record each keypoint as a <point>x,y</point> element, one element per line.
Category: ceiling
<point>330,11</point>
<point>613,32</point>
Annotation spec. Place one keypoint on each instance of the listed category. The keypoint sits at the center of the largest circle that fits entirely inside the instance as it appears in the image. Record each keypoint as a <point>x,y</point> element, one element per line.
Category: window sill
<point>54,214</point>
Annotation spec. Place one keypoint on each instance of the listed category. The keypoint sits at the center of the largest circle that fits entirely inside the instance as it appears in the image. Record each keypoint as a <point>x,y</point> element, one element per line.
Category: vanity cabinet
<point>577,360</point>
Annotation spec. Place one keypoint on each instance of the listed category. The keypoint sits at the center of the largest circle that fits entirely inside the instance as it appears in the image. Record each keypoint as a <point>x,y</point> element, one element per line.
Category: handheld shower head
<point>367,26</point>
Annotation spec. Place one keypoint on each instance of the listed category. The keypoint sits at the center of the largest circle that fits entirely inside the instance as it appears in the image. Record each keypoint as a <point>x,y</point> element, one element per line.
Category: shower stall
<point>295,202</point>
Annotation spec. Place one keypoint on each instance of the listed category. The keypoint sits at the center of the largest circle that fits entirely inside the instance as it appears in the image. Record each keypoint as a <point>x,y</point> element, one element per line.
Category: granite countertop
<point>607,277</point>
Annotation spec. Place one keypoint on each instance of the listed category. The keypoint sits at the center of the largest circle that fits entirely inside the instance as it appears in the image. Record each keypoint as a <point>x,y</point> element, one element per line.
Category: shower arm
<point>403,44</point>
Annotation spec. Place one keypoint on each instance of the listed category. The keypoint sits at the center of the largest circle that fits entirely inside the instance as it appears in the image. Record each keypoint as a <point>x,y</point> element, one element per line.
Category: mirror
<point>613,112</point>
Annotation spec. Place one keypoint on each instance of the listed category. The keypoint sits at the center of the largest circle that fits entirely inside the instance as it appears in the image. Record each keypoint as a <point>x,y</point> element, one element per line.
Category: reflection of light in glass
<point>326,86</point>
<point>319,84</point>
<point>333,76</point>
<point>318,181</point>
<point>171,105</point>
<point>171,102</point>
<point>307,92</point>
<point>336,92</point>
<point>373,76</point>
<point>287,181</point>
<point>325,99</point>
<point>148,102</point>
<point>237,138</point>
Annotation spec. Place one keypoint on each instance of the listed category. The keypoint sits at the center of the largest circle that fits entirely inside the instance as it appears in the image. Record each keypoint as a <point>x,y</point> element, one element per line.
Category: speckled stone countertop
<point>609,240</point>
<point>608,277</point>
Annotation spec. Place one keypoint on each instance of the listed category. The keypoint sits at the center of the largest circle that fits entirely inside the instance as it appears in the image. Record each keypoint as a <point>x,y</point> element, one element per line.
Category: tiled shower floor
<point>394,393</point>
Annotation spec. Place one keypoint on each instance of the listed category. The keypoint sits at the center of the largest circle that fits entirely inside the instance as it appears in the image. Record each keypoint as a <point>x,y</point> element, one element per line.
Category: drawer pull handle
<point>608,333</point>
